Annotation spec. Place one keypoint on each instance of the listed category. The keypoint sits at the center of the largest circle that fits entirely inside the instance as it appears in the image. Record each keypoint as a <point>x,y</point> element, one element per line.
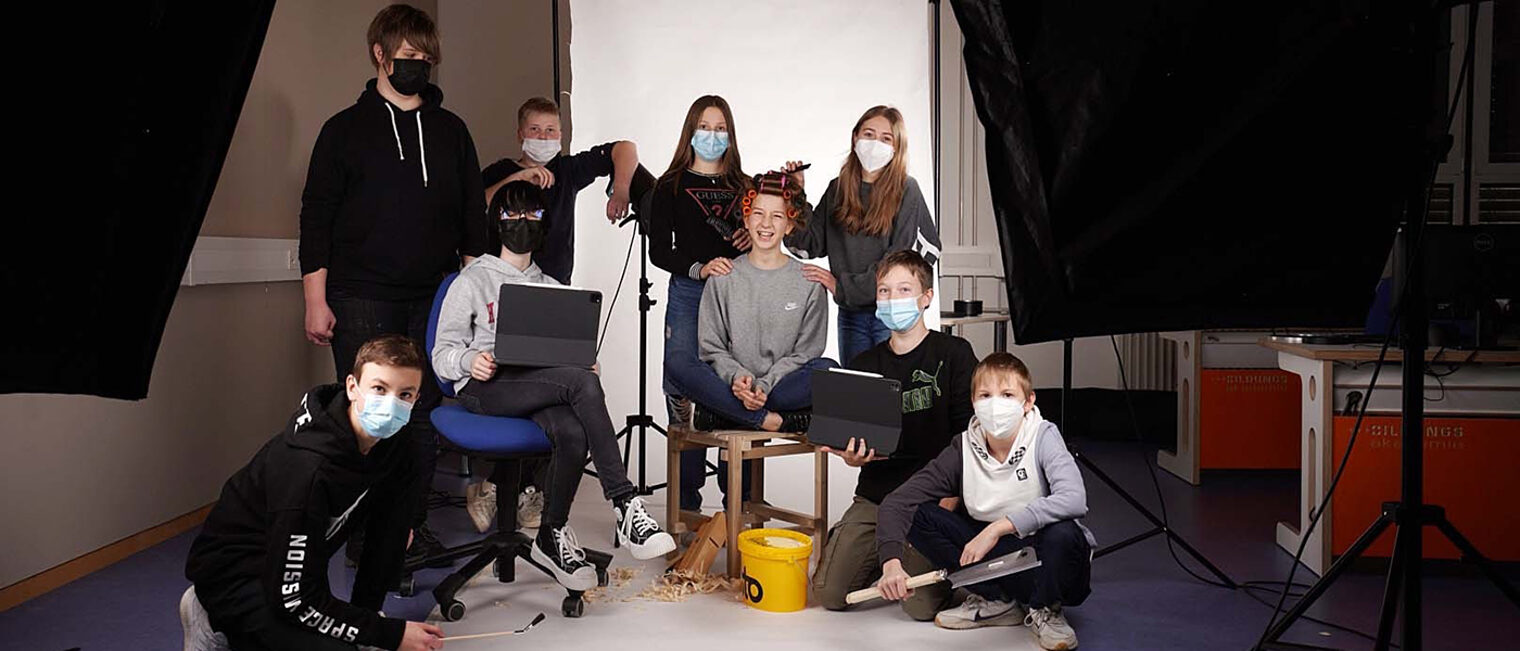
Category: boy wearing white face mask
<point>342,462</point>
<point>1019,487</point>
<point>873,208</point>
<point>562,178</point>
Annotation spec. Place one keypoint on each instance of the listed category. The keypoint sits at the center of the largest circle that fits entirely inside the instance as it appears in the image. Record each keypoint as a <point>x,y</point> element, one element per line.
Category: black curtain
<point>1176,164</point>
<point>124,114</point>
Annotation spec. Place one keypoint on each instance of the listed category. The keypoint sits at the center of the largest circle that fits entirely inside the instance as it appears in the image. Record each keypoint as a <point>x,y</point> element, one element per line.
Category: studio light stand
<point>1158,526</point>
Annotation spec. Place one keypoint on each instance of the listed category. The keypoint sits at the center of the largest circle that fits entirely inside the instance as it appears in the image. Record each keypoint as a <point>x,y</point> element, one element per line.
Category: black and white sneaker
<point>639,531</point>
<point>558,550</point>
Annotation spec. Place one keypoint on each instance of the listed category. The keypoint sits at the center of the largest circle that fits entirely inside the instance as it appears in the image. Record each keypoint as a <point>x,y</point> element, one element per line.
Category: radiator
<point>1149,362</point>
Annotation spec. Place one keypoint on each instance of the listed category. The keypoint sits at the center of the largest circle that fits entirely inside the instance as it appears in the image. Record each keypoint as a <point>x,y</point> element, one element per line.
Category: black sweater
<point>571,175</point>
<point>383,224</point>
<point>684,222</point>
<point>262,554</point>
<point>936,383</point>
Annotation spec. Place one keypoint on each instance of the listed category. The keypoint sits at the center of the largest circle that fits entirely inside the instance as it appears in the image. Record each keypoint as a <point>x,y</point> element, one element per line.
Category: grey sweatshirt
<point>853,257</point>
<point>467,319</point>
<point>761,323</point>
<point>1065,499</point>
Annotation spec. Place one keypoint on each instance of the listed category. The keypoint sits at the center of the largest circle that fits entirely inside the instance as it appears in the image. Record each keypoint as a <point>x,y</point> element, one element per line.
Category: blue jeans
<point>859,330</point>
<point>681,307</point>
<point>793,392</point>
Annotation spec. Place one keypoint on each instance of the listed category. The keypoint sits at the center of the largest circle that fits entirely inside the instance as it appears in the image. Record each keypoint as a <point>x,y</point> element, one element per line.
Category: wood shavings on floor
<point>680,585</point>
<point>617,579</point>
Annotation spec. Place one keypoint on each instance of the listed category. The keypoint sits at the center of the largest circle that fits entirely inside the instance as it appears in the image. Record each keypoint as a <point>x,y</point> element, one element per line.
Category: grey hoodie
<point>1065,499</point>
<point>467,320</point>
<point>853,256</point>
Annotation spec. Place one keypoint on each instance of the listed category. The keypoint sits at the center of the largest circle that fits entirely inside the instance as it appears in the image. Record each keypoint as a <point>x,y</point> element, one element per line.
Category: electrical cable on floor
<point>1246,587</point>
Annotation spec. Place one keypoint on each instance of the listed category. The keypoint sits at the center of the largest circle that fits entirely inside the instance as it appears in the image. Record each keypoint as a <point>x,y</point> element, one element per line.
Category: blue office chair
<point>506,442</point>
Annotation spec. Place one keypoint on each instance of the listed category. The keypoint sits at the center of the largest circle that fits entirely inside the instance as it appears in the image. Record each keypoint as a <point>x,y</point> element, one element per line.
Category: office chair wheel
<point>408,586</point>
<point>573,606</point>
<point>601,577</point>
<point>452,612</point>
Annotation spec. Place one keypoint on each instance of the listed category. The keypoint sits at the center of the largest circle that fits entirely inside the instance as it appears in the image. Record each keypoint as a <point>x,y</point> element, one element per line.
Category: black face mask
<point>409,76</point>
<point>522,235</point>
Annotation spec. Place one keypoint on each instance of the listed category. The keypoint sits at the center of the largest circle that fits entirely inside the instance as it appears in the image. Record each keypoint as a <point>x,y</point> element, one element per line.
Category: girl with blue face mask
<point>695,233</point>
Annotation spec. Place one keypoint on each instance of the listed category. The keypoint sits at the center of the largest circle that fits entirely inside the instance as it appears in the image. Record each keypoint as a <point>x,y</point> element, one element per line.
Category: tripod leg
<point>1472,555</point>
<point>1155,521</point>
<point>1336,569</point>
<point>1390,609</point>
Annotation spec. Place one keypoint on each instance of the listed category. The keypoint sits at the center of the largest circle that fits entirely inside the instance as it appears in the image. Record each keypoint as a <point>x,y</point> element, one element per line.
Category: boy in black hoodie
<point>392,200</point>
<point>259,564</point>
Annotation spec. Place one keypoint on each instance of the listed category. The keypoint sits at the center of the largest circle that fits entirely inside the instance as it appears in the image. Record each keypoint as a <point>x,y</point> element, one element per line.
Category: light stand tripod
<point>641,421</point>
<point>1158,526</point>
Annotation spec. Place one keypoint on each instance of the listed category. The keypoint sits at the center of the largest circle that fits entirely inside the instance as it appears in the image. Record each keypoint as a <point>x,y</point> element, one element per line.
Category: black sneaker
<point>558,550</point>
<point>796,421</point>
<point>707,420</point>
<point>426,546</point>
<point>639,531</point>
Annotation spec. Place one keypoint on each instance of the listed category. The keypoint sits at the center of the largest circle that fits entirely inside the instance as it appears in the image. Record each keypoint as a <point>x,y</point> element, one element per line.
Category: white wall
<point>781,64</point>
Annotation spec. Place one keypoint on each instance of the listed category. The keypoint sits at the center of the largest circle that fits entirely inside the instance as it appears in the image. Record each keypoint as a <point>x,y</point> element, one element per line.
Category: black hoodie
<point>386,217</point>
<point>262,555</point>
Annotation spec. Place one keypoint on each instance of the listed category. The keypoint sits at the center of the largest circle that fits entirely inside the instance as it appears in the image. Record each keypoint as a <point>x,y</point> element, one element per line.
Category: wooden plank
<point>63,574</point>
<point>785,515</point>
<point>768,451</point>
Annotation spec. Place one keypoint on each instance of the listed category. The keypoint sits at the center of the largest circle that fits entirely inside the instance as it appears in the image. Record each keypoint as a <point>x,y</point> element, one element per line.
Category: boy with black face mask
<point>568,403</point>
<point>393,199</point>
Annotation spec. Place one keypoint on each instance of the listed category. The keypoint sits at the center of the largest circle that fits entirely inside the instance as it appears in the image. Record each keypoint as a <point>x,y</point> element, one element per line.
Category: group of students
<point>395,200</point>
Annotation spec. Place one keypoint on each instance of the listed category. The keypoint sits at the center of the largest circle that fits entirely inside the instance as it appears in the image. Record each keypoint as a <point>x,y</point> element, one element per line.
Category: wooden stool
<point>737,447</point>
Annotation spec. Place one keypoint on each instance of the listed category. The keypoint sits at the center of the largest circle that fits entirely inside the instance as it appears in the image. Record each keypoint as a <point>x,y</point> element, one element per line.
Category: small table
<point>1316,366</point>
<point>948,324</point>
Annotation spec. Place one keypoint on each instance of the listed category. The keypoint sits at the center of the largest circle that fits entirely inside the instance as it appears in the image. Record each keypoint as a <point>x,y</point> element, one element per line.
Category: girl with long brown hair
<point>870,210</point>
<point>695,233</point>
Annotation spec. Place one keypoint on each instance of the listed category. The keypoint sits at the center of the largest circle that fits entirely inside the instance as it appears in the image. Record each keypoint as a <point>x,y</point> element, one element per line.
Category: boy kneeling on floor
<point>1020,487</point>
<point>568,403</point>
<point>259,563</point>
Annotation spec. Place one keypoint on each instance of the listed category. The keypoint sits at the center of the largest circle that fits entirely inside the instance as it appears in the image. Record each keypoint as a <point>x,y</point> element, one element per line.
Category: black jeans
<point>362,319</point>
<point>571,407</point>
<point>1065,557</point>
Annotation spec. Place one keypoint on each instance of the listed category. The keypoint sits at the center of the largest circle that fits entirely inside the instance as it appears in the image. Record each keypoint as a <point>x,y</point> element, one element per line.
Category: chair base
<point>501,551</point>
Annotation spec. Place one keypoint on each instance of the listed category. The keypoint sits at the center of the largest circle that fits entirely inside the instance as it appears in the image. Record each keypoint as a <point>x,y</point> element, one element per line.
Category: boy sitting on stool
<point>1020,487</point>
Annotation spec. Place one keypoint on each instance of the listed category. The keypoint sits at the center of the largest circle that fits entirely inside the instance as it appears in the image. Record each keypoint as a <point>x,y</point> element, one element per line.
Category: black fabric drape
<point>1177,164</point>
<point>124,114</point>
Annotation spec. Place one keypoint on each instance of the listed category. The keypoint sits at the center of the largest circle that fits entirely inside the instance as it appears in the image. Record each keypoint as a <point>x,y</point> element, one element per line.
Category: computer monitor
<point>1471,281</point>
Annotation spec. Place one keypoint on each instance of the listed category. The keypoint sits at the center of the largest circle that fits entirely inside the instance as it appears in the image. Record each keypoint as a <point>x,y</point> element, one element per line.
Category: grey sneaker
<point>480,503</point>
<point>530,508</point>
<point>977,612</point>
<point>1050,629</point>
<point>197,625</point>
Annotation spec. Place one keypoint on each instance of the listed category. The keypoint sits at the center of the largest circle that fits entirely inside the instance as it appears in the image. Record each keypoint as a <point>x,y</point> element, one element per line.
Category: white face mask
<point>540,150</point>
<point>999,417</point>
<point>873,154</point>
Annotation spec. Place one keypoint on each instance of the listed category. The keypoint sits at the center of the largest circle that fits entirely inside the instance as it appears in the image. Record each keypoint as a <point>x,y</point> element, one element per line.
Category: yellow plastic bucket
<point>775,569</point>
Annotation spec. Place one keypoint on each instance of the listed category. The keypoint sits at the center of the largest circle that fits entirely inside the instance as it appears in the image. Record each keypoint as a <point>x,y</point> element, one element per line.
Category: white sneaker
<point>977,612</point>
<point>640,532</point>
<point>1050,629</point>
<point>480,503</point>
<point>197,625</point>
<point>530,508</point>
<point>565,559</point>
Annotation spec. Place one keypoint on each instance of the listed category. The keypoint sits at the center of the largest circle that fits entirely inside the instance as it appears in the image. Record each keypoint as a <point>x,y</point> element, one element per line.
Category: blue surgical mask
<point>899,314</point>
<point>709,145</point>
<point>383,416</point>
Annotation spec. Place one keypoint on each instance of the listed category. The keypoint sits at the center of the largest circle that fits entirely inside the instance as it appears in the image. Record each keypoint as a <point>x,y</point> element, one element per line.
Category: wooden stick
<point>874,592</point>
<point>455,638</point>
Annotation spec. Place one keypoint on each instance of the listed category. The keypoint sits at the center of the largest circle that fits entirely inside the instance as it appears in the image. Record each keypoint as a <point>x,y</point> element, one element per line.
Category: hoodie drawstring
<point>394,131</point>
<point>421,147</point>
<point>401,153</point>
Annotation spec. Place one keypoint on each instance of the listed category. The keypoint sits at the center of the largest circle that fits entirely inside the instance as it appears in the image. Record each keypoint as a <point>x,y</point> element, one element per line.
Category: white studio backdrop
<point>797,74</point>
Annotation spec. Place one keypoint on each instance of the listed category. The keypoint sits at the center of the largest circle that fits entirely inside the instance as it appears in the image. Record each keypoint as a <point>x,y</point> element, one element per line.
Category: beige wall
<point>83,472</point>
<point>496,54</point>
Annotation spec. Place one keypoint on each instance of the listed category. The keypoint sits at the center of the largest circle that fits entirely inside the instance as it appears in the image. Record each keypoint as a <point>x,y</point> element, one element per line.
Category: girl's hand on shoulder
<point>820,275</point>
<point>716,267</point>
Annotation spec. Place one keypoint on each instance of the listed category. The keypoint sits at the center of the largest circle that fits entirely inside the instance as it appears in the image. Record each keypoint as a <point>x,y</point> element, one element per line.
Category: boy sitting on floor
<point>260,562</point>
<point>1020,487</point>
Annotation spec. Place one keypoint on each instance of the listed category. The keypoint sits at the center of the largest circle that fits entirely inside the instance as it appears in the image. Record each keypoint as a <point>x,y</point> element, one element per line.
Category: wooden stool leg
<point>673,441</point>
<point>757,480</point>
<point>735,502</point>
